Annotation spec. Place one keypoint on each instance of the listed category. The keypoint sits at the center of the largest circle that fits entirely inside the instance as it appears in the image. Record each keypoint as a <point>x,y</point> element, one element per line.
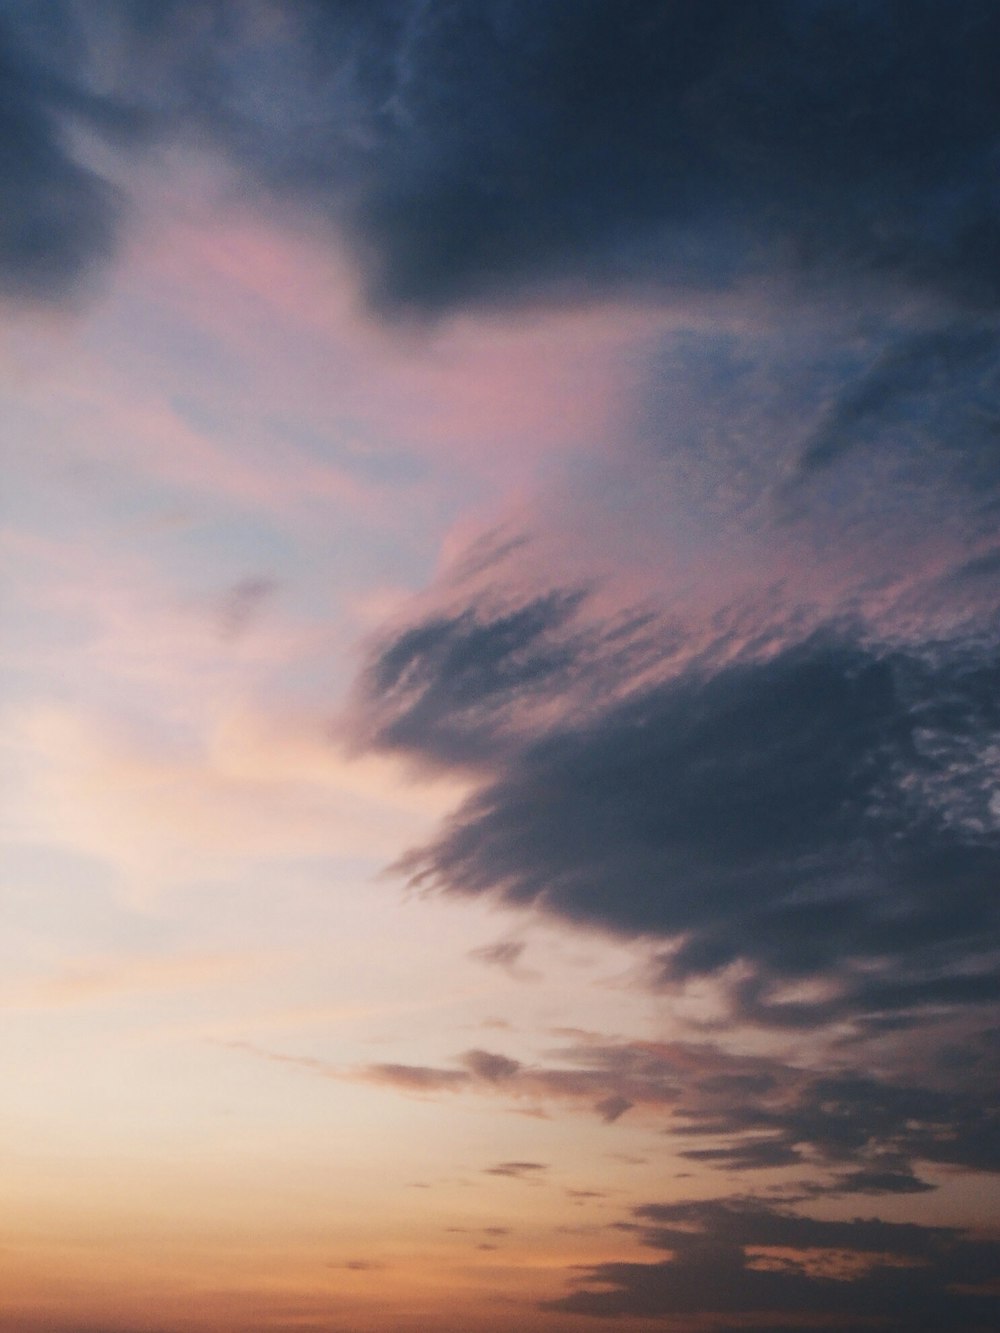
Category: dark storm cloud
<point>521,146</point>
<point>482,150</point>
<point>826,813</point>
<point>746,1258</point>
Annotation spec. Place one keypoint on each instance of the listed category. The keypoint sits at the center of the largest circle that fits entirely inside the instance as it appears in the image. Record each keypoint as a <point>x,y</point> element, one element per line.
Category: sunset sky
<point>500,827</point>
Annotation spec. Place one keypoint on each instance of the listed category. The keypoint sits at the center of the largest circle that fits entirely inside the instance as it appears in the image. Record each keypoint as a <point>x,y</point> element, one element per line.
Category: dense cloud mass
<point>823,812</point>
<point>486,150</point>
<point>57,217</point>
<point>747,1258</point>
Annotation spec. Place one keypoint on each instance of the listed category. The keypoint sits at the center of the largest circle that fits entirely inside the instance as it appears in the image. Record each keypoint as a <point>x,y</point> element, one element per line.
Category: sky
<point>500,666</point>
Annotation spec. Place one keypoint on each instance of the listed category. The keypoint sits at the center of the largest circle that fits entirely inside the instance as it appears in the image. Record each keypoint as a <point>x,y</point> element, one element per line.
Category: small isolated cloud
<point>505,954</point>
<point>494,1024</point>
<point>242,604</point>
<point>516,1170</point>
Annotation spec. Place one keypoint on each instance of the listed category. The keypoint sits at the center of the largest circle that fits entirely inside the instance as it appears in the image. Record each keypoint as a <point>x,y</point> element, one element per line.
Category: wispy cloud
<point>92,980</point>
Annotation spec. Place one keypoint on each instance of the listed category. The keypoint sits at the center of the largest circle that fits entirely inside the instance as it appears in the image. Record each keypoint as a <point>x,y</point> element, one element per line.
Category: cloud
<point>875,1127</point>
<point>505,953</point>
<point>516,1170</point>
<point>867,1134</point>
<point>416,1078</point>
<point>490,1066</point>
<point>506,148</point>
<point>242,604</point>
<point>748,1258</point>
<point>878,1182</point>
<point>484,152</point>
<point>27,1323</point>
<point>820,813</point>
<point>609,1080</point>
<point>447,688</point>
<point>485,1231</point>
<point>934,391</point>
<point>58,218</point>
<point>613,1107</point>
